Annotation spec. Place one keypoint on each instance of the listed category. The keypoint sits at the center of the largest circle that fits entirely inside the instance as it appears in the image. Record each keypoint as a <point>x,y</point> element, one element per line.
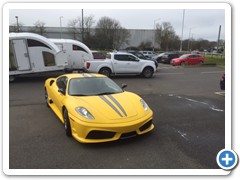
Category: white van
<point>77,52</point>
<point>32,53</point>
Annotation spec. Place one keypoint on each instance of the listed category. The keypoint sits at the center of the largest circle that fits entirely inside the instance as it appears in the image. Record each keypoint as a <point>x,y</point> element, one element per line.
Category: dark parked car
<point>166,59</point>
<point>141,56</point>
<point>158,57</point>
<point>222,82</point>
<point>98,55</point>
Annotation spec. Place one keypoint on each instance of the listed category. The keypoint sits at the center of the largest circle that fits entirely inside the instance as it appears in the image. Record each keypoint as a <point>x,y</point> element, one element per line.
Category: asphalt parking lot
<point>189,119</point>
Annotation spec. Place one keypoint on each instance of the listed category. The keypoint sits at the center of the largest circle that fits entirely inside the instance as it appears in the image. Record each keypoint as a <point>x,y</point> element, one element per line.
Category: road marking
<point>183,135</point>
<point>170,73</point>
<point>111,105</point>
<point>220,93</point>
<point>212,72</point>
<point>212,107</point>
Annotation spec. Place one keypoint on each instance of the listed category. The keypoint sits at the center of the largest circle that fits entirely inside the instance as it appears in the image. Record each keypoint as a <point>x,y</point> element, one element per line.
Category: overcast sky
<point>202,23</point>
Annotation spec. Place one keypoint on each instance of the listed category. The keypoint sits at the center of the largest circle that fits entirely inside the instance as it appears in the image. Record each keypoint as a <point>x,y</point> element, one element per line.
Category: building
<point>137,36</point>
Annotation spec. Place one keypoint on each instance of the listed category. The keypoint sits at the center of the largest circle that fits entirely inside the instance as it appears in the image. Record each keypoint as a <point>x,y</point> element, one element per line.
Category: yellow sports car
<point>95,109</point>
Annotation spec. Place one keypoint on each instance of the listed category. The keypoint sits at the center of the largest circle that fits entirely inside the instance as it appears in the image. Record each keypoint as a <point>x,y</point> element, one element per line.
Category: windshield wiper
<point>79,95</point>
<point>106,93</point>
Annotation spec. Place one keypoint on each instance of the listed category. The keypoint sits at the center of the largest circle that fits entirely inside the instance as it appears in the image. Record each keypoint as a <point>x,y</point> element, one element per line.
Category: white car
<point>117,63</point>
<point>148,53</point>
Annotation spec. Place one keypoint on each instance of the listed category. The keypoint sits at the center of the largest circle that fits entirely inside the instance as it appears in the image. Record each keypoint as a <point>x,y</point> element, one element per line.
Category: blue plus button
<point>227,159</point>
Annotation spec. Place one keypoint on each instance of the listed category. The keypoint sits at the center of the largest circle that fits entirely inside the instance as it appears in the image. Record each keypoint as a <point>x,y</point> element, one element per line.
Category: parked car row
<point>174,59</point>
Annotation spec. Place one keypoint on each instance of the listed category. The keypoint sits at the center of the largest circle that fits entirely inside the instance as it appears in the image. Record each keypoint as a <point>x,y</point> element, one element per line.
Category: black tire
<point>46,97</point>
<point>67,125</point>
<point>147,72</point>
<point>105,71</point>
<point>11,79</point>
<point>183,63</point>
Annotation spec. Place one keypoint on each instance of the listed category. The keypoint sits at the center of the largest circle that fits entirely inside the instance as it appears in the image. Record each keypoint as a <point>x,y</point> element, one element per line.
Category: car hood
<point>110,108</point>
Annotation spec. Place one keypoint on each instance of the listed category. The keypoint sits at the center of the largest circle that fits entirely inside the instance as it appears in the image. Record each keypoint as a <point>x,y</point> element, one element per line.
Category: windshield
<point>184,56</point>
<point>160,55</point>
<point>92,86</point>
<point>140,55</point>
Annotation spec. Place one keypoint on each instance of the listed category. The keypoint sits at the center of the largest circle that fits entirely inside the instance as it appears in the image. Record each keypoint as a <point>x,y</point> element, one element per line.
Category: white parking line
<point>212,72</point>
<point>220,93</point>
<point>169,73</point>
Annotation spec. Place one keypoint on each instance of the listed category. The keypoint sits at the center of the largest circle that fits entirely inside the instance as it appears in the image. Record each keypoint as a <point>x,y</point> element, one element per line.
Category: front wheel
<point>11,79</point>
<point>67,125</point>
<point>183,63</point>
<point>147,72</point>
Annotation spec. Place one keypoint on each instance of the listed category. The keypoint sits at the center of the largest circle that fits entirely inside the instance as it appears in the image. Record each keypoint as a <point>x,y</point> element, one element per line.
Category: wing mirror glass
<point>124,86</point>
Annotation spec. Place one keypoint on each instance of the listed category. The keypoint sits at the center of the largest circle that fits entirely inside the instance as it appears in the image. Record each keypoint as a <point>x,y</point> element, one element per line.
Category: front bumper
<point>96,133</point>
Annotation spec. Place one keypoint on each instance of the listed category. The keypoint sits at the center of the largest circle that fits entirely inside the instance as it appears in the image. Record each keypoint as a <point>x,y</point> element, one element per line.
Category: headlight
<point>84,112</point>
<point>144,104</point>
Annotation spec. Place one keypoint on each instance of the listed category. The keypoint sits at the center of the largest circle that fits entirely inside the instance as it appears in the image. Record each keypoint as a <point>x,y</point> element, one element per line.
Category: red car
<point>188,59</point>
<point>222,82</point>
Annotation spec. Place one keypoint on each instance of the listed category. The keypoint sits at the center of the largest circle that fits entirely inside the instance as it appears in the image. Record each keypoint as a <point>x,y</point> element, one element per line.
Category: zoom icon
<point>227,159</point>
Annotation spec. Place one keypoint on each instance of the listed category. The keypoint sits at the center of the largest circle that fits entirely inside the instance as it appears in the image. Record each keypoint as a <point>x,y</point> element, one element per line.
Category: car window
<point>62,83</point>
<point>184,56</point>
<point>108,56</point>
<point>121,57</point>
<point>78,48</point>
<point>92,86</point>
<point>132,58</point>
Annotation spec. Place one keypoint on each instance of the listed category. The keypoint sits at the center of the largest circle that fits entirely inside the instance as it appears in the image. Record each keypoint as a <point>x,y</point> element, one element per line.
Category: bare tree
<point>110,34</point>
<point>73,28</point>
<point>39,27</point>
<point>165,35</point>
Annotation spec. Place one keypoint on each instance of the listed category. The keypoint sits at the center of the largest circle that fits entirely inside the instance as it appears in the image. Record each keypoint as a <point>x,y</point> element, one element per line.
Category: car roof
<point>119,52</point>
<point>82,75</point>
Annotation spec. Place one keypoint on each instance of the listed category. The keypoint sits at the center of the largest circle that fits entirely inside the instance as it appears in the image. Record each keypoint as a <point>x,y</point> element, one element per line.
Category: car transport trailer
<point>32,53</point>
<point>76,52</point>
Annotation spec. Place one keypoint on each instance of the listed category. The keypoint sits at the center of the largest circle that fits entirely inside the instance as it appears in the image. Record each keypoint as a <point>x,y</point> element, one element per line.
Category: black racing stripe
<point>118,104</point>
<point>111,105</point>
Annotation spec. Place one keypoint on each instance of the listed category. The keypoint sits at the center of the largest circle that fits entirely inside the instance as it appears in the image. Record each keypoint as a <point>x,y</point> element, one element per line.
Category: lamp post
<point>189,38</point>
<point>82,27</point>
<point>154,31</point>
<point>182,30</point>
<point>17,23</point>
<point>191,41</point>
<point>60,26</point>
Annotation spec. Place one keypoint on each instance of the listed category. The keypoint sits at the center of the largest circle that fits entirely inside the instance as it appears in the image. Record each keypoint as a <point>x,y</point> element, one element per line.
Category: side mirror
<point>51,82</point>
<point>124,86</point>
<point>61,91</point>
